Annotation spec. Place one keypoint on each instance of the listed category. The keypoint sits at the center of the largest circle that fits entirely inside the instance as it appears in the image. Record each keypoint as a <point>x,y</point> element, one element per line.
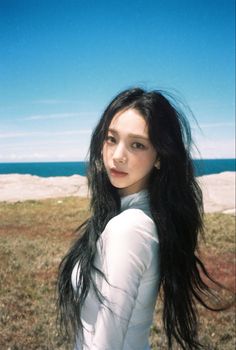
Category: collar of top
<point>138,200</point>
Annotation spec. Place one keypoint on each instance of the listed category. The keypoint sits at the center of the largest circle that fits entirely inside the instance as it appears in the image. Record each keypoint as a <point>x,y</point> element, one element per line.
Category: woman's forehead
<point>129,121</point>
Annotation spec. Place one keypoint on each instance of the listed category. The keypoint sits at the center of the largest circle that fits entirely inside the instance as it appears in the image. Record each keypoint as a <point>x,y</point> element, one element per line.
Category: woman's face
<point>128,154</point>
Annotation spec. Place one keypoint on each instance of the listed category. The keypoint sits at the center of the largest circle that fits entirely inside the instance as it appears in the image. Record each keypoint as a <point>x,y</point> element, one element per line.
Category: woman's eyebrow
<point>130,134</point>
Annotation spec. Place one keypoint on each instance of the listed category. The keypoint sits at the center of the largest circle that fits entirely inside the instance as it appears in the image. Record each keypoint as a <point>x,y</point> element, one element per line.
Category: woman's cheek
<point>107,154</point>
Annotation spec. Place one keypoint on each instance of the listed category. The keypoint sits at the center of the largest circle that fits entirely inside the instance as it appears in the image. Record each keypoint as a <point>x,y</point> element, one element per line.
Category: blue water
<point>44,169</point>
<point>202,167</point>
<point>213,166</point>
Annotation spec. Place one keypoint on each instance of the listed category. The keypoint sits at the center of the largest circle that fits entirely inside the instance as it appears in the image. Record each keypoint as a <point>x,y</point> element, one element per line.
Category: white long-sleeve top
<point>127,252</point>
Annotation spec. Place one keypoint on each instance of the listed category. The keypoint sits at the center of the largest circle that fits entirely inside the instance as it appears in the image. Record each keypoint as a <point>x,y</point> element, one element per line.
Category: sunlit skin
<point>128,154</point>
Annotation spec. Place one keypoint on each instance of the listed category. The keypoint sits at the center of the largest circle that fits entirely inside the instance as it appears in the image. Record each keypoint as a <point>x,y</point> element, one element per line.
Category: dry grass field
<point>34,235</point>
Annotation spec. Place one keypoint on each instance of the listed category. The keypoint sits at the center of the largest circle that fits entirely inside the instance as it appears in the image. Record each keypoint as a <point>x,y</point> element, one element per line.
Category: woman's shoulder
<point>132,223</point>
<point>133,216</point>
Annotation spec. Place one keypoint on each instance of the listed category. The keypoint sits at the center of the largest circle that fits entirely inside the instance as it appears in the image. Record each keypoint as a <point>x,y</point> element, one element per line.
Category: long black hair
<point>177,210</point>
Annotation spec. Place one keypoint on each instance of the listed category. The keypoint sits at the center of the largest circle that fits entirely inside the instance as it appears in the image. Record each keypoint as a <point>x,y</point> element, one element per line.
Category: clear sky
<point>61,62</point>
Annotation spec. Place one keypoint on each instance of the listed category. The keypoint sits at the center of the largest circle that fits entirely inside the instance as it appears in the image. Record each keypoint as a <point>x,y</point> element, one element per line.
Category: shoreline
<point>218,189</point>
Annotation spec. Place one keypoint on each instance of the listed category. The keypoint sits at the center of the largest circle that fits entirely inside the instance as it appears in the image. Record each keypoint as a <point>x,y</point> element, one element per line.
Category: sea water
<point>47,169</point>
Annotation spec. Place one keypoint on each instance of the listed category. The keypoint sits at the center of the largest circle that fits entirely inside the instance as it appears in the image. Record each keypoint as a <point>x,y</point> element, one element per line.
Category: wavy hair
<point>177,210</point>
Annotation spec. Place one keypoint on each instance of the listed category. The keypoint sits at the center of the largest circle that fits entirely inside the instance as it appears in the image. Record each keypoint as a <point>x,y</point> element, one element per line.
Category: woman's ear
<point>157,164</point>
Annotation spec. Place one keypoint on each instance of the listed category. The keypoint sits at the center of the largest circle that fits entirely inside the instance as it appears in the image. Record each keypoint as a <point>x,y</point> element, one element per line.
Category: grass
<point>34,235</point>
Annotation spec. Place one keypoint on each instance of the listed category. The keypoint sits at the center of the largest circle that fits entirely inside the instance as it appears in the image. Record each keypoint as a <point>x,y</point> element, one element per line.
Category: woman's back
<point>127,253</point>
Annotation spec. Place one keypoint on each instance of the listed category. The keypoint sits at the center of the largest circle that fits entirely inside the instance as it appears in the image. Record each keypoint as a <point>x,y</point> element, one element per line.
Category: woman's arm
<point>126,249</point>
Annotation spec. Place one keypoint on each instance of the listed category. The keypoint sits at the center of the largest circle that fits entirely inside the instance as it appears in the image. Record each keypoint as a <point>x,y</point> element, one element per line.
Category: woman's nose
<point>119,154</point>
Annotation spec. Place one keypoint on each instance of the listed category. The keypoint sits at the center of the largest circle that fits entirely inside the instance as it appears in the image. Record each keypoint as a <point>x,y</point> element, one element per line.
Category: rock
<point>218,189</point>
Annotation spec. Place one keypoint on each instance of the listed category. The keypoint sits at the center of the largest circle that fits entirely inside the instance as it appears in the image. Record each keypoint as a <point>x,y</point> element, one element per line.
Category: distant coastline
<point>48,169</point>
<point>218,189</point>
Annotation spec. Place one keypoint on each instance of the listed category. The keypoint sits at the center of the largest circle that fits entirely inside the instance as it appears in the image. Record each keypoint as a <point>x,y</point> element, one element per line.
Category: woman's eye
<point>138,145</point>
<point>110,139</point>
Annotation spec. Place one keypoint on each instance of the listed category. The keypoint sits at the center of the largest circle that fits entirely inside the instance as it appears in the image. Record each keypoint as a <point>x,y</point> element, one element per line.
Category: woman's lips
<point>117,173</point>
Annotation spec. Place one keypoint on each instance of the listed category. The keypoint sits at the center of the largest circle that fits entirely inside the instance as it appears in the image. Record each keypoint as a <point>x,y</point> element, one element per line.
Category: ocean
<point>202,167</point>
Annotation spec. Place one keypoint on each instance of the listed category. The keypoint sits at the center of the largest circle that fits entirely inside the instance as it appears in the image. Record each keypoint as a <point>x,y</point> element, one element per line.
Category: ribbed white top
<point>127,252</point>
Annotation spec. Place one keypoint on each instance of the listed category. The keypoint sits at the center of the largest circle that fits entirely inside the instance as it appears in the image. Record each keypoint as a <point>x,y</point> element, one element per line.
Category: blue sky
<point>61,62</point>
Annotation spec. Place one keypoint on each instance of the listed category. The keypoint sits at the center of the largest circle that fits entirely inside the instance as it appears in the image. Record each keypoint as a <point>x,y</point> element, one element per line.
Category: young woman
<point>146,214</point>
